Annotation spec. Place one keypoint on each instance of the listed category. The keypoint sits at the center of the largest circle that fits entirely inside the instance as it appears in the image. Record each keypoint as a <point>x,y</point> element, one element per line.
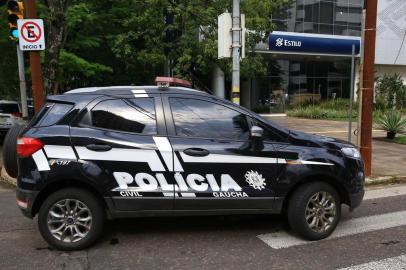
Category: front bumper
<point>358,190</point>
<point>25,201</point>
<point>356,199</point>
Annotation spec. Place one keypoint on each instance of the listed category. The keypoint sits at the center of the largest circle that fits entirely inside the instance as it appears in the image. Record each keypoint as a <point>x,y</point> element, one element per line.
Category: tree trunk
<point>55,37</point>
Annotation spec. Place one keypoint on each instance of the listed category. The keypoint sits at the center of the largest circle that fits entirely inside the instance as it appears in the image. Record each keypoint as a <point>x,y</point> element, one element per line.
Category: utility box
<point>225,39</point>
<point>225,36</point>
<point>243,33</point>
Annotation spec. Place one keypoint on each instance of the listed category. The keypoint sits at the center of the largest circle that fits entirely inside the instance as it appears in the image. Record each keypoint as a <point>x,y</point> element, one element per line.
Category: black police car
<point>119,152</point>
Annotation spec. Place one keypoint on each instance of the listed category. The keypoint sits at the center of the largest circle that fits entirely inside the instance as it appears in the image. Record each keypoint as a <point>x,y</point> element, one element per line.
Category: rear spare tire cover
<point>10,150</point>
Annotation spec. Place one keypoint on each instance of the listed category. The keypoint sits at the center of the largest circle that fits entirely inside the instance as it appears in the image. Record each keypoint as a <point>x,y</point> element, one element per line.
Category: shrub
<point>392,122</point>
<point>329,109</point>
<point>390,92</point>
<point>401,140</point>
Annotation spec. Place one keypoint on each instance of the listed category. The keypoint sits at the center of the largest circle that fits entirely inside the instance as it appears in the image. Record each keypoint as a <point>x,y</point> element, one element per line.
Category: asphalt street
<point>371,237</point>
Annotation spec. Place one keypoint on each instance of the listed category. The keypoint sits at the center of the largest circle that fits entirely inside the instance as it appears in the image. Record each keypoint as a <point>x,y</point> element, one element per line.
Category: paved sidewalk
<point>389,159</point>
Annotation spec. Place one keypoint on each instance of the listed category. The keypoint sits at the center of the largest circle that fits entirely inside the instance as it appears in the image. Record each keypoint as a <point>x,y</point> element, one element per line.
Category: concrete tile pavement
<point>389,159</point>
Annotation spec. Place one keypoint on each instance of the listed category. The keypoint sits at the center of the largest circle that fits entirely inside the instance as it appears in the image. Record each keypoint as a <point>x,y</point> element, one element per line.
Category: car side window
<point>199,118</point>
<point>129,115</point>
<point>50,114</point>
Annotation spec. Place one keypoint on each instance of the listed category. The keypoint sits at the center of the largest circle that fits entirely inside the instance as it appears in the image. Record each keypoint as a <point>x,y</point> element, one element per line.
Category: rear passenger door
<point>121,143</point>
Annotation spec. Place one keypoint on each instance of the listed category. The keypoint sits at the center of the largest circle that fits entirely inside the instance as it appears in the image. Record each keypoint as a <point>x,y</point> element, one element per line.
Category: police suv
<point>119,152</point>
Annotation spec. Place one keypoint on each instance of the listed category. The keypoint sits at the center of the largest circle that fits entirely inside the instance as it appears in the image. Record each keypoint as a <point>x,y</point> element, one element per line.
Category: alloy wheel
<point>69,220</point>
<point>321,212</point>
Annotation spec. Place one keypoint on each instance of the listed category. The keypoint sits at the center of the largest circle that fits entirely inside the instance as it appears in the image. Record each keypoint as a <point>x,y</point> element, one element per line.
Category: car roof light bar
<point>165,82</point>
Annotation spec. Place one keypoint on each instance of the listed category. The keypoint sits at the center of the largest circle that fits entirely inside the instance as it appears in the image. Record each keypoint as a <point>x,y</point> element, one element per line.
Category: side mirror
<point>256,132</point>
<point>257,143</point>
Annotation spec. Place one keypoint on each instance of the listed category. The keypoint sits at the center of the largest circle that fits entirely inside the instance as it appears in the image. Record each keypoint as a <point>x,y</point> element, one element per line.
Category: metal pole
<point>23,86</point>
<point>218,82</point>
<point>352,92</point>
<point>235,92</point>
<point>361,73</point>
<point>35,63</point>
<point>368,85</point>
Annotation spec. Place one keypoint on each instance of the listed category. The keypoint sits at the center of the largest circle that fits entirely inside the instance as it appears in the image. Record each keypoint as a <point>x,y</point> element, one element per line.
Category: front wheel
<point>71,219</point>
<point>314,211</point>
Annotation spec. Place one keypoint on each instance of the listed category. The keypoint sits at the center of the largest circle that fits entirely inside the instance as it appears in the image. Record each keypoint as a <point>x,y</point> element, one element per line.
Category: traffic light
<point>15,12</point>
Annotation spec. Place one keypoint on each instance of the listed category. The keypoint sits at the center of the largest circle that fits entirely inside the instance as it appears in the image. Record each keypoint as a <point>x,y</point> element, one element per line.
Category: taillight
<point>28,146</point>
<point>17,114</point>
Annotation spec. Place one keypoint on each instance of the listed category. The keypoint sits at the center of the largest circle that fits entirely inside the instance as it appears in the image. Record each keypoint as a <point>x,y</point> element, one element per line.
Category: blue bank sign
<point>302,43</point>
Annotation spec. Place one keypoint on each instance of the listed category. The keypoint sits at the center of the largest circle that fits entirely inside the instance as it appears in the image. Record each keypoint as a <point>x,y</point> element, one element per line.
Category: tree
<point>56,27</point>
<point>8,61</point>
<point>68,38</point>
<point>194,49</point>
<point>111,42</point>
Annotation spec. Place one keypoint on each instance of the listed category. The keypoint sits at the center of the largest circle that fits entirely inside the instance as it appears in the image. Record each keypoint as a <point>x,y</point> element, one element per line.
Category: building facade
<point>297,78</point>
<point>390,38</point>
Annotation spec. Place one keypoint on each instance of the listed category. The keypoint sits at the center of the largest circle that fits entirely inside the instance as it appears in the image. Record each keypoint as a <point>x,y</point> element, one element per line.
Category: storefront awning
<point>310,44</point>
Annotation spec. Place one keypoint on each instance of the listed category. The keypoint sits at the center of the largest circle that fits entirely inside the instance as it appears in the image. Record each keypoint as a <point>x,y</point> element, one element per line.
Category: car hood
<point>306,139</point>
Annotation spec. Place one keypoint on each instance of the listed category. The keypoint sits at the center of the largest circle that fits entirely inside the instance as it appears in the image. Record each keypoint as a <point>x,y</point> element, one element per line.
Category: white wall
<point>381,70</point>
<point>391,32</point>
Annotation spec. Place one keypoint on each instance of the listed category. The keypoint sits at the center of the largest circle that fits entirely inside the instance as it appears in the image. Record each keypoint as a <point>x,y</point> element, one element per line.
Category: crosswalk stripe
<point>395,263</point>
<point>279,240</point>
<point>385,192</point>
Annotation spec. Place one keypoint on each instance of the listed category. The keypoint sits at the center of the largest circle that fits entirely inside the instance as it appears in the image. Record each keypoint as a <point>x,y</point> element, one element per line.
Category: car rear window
<point>50,114</point>
<point>9,108</point>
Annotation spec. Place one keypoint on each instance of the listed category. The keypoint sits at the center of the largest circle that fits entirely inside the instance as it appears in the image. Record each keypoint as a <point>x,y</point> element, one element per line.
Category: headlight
<point>351,152</point>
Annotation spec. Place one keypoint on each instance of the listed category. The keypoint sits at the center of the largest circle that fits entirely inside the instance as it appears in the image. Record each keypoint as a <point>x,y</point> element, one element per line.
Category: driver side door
<point>219,168</point>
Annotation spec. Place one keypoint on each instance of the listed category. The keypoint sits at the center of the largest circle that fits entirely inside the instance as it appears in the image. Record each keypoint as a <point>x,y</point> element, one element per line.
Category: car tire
<point>10,150</point>
<point>311,217</point>
<point>54,215</point>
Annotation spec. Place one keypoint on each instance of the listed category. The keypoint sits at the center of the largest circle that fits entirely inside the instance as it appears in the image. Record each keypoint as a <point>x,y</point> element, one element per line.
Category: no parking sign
<point>31,34</point>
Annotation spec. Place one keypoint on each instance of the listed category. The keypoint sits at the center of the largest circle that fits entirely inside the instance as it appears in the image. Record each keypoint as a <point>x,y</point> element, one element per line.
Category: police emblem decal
<point>255,180</point>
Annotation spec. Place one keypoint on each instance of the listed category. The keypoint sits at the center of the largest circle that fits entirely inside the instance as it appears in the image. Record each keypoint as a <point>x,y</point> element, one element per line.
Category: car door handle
<point>99,147</point>
<point>196,152</point>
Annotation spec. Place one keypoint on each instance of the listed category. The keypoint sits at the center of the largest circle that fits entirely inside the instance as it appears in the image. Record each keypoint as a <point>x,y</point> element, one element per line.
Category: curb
<point>7,179</point>
<point>273,114</point>
<point>385,180</point>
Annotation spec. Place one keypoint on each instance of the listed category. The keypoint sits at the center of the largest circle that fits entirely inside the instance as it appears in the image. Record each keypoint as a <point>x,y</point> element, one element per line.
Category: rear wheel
<point>71,219</point>
<point>10,150</point>
<point>314,211</point>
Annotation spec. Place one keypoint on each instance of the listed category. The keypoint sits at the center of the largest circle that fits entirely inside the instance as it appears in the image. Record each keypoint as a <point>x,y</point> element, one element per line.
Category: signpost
<point>31,33</point>
<point>23,86</point>
<point>35,61</point>
<point>31,38</point>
